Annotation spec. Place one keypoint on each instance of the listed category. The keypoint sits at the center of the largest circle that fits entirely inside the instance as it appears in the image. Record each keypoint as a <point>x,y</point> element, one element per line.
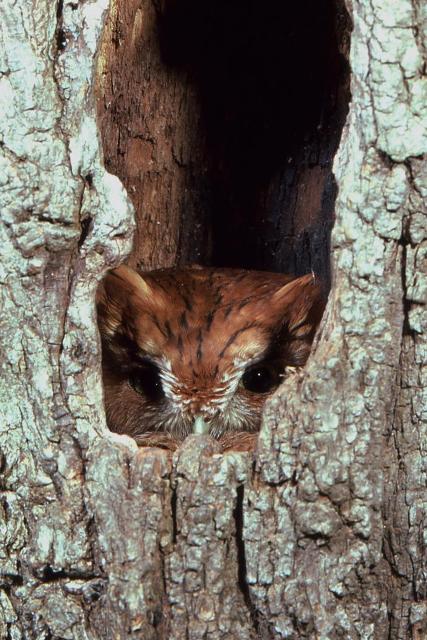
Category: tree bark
<point>320,534</point>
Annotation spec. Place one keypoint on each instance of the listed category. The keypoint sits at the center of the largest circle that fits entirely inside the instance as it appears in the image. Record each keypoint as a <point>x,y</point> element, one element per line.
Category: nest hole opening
<point>222,120</point>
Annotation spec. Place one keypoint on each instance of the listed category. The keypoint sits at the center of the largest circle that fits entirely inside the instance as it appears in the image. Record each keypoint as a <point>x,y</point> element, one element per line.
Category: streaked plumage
<point>181,343</point>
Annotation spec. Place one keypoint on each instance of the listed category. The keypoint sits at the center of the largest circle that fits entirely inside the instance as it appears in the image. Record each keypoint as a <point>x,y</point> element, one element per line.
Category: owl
<point>200,349</point>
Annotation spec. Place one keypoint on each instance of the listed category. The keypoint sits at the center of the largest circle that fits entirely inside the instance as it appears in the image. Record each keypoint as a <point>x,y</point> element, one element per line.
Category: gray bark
<point>324,537</point>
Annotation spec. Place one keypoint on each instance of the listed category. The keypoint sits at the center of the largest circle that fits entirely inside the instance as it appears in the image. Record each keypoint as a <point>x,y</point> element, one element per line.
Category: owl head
<point>181,345</point>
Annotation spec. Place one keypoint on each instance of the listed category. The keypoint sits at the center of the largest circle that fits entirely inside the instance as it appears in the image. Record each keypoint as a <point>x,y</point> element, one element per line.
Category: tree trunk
<point>320,534</point>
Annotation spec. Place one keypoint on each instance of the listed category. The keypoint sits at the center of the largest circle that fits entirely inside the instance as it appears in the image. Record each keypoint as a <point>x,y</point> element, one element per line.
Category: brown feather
<point>181,343</point>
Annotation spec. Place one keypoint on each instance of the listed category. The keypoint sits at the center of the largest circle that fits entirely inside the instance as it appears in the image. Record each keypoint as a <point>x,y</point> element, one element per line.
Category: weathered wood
<point>152,138</point>
<point>222,121</point>
<point>324,536</point>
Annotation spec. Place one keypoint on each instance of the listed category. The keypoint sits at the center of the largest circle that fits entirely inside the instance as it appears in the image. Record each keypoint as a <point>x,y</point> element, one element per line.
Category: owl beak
<point>200,427</point>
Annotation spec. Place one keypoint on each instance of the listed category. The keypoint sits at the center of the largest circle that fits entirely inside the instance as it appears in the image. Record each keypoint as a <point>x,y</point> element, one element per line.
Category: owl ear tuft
<point>300,303</point>
<point>119,292</point>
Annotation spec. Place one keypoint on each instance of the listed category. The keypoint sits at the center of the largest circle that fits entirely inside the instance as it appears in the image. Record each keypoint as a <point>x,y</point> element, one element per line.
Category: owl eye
<point>260,378</point>
<point>147,382</point>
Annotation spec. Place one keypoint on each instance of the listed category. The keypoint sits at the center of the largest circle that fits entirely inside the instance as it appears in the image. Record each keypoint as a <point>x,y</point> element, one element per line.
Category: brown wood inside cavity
<point>222,120</point>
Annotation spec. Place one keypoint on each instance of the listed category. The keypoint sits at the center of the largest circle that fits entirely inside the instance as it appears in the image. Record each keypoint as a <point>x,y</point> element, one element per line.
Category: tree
<point>323,537</point>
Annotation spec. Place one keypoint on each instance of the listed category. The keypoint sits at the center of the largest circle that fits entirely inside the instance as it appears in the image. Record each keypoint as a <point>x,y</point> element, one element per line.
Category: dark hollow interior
<point>273,87</point>
<point>272,84</point>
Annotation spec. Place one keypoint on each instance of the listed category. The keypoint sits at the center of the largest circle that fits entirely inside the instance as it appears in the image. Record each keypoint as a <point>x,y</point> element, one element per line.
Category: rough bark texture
<point>324,537</point>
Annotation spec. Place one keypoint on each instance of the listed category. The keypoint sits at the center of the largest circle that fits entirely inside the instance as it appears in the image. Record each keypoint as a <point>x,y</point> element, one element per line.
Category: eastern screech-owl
<point>196,342</point>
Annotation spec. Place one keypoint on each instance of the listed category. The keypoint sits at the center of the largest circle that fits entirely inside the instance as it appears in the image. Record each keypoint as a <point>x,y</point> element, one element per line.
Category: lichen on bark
<point>321,535</point>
